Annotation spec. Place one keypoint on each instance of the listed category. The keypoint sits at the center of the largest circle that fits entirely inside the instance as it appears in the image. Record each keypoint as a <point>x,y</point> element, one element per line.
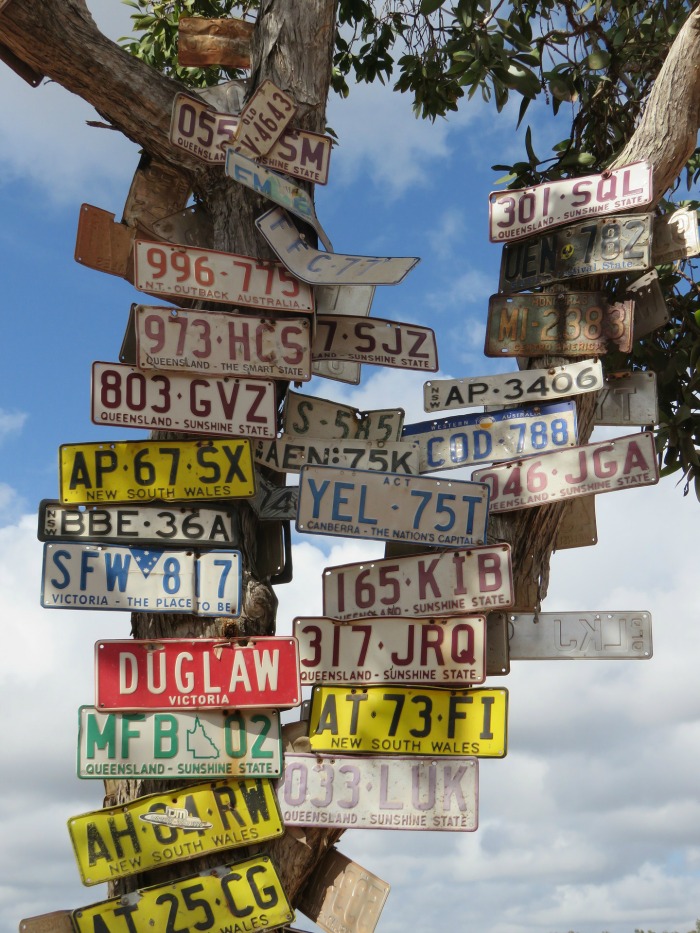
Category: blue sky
<point>592,820</point>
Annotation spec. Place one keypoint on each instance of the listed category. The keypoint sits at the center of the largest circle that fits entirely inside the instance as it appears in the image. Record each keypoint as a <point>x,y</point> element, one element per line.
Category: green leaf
<point>430,6</point>
<point>598,59</point>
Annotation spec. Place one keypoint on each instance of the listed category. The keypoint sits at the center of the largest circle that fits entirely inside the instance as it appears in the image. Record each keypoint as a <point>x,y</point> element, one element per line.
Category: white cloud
<point>11,422</point>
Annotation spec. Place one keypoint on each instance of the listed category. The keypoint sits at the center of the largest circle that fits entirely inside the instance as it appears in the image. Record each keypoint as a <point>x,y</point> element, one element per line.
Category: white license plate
<point>650,308</point>
<point>198,129</point>
<point>675,236</point>
<point>85,576</point>
<point>264,118</point>
<point>532,385</point>
<point>391,507</point>
<point>181,745</point>
<point>596,468</point>
<point>187,526</point>
<point>628,398</point>
<point>221,343</point>
<point>450,443</point>
<point>452,583</point>
<point>210,275</point>
<point>401,792</point>
<point>321,268</point>
<point>320,417</point>
<point>384,343</point>
<point>342,896</point>
<point>441,652</point>
<point>555,636</point>
<point>288,454</point>
<point>353,300</point>
<point>220,405</point>
<point>520,213</point>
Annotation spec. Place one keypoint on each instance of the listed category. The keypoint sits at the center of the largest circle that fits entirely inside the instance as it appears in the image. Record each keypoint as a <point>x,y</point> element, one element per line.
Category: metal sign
<point>604,246</point>
<point>628,398</point>
<point>596,468</point>
<point>442,652</point>
<point>497,657</point>
<point>102,244</point>
<point>219,405</point>
<point>210,275</point>
<point>375,340</point>
<point>156,190</point>
<point>400,720</point>
<point>179,825</point>
<point>288,454</point>
<point>554,636</point>
<point>97,576</point>
<point>520,213</point>
<point>201,673</point>
<point>219,343</point>
<point>577,527</point>
<point>56,922</point>
<point>533,385</point>
<point>319,268</point>
<point>675,236</point>
<point>650,308</point>
<point>451,583</point>
<point>400,792</point>
<point>203,42</point>
<point>559,323</point>
<point>450,443</point>
<point>264,118</point>
<point>275,503</point>
<point>320,417</point>
<point>191,226</point>
<point>343,897</point>
<point>249,889</point>
<point>133,471</point>
<point>391,506</point>
<point>342,299</point>
<point>181,745</point>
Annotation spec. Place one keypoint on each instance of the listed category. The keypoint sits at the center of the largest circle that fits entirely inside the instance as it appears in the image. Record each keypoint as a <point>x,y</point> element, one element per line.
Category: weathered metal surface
<point>202,42</point>
<point>343,897</point>
<point>320,417</point>
<point>675,236</point>
<point>156,191</point>
<point>58,921</point>
<point>650,308</point>
<point>497,656</point>
<point>103,244</point>
<point>577,527</point>
<point>628,398</point>
<point>274,503</point>
<point>342,299</point>
<point>375,340</point>
<point>264,118</point>
<point>288,454</point>
<point>20,67</point>
<point>191,226</point>
<point>557,636</point>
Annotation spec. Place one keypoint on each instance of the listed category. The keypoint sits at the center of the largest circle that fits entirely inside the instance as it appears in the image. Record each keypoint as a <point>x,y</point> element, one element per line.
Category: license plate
<point>322,268</point>
<point>517,214</point>
<point>197,673</point>
<point>497,656</point>
<point>421,585</point>
<point>223,405</point>
<point>650,308</point>
<point>343,897</point>
<point>264,118</point>
<point>202,42</point>
<point>210,275</point>
<point>628,398</point>
<point>161,829</point>
<point>206,134</point>
<point>675,236</point>
<point>102,244</point>
<point>400,720</point>
<point>128,471</point>
<point>288,454</point>
<point>606,246</point>
<point>444,652</point>
<point>58,921</point>
<point>342,299</point>
<point>561,635</point>
<point>372,793</point>
<point>577,527</point>
<point>190,227</point>
<point>320,417</point>
<point>221,343</point>
<point>533,385</point>
<point>596,468</point>
<point>143,524</point>
<point>275,503</point>
<point>390,506</point>
<point>204,745</point>
<point>384,343</point>
<point>561,323</point>
<point>94,576</point>
<point>450,443</point>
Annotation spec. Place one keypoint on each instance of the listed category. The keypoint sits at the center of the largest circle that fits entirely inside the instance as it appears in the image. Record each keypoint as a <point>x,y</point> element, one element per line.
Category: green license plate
<point>161,829</point>
<point>138,471</point>
<point>238,897</point>
<point>398,720</point>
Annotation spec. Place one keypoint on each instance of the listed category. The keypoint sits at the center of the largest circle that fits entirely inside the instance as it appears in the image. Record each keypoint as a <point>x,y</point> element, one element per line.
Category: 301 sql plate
<point>450,443</point>
<point>224,406</point>
<point>554,636</point>
<point>595,468</point>
<point>373,793</point>
<point>221,343</point>
<point>288,454</point>
<point>442,652</point>
<point>604,246</point>
<point>399,720</point>
<point>140,471</point>
<point>93,576</point>
<point>391,506</point>
<point>320,417</point>
<point>451,583</point>
<point>181,745</point>
<point>377,341</point>
<point>533,385</point>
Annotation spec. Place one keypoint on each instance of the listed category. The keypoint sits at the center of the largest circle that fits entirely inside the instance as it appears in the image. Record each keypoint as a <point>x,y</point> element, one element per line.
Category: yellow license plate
<point>237,898</point>
<point>160,829</point>
<point>138,471</point>
<point>396,720</point>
